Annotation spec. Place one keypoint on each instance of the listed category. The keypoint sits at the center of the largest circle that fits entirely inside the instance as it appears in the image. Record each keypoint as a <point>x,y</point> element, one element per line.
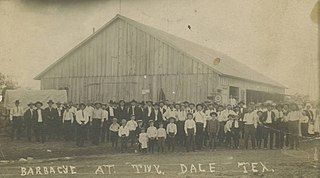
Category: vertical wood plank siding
<point>112,65</point>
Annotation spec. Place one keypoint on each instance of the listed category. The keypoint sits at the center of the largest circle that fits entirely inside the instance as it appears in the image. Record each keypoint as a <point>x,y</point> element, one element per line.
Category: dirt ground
<point>60,159</point>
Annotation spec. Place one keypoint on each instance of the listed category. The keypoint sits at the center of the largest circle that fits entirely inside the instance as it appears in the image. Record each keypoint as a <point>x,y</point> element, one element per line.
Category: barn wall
<point>117,59</point>
<point>122,50</point>
<point>193,87</point>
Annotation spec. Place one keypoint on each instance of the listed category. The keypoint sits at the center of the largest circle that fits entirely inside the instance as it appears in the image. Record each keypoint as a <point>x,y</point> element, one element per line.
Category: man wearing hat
<point>82,118</point>
<point>16,114</point>
<point>134,110</point>
<point>121,111</point>
<point>39,117</point>
<point>52,120</point>
<point>60,110</point>
<point>148,112</point>
<point>28,121</point>
<point>268,121</point>
<point>97,123</point>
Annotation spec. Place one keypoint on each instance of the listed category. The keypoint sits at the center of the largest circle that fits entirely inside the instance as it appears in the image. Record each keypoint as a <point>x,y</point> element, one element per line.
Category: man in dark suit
<point>52,120</point>
<point>28,121</point>
<point>148,112</point>
<point>39,118</point>
<point>135,110</point>
<point>268,121</point>
<point>121,111</point>
<point>60,111</point>
<point>241,113</point>
<point>158,118</point>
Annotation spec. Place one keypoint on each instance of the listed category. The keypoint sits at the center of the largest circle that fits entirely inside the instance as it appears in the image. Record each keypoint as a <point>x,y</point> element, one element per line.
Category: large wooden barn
<point>127,60</point>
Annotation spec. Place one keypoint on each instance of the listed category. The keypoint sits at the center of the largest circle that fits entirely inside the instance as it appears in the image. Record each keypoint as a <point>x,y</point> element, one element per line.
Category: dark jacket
<point>121,113</point>
<point>137,112</point>
<point>35,116</point>
<point>265,116</point>
<point>28,117</point>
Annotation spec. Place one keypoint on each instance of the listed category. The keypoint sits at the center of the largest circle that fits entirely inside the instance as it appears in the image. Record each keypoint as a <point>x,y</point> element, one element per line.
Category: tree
<point>6,83</point>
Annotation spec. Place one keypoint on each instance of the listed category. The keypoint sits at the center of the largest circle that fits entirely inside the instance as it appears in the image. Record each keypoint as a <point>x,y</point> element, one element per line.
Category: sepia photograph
<point>160,88</point>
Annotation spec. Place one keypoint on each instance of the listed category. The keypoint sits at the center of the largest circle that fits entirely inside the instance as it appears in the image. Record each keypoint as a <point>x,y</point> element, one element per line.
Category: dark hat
<point>50,101</point>
<point>121,101</point>
<point>191,104</point>
<point>230,115</point>
<point>29,104</point>
<point>97,103</point>
<point>199,105</point>
<point>17,101</point>
<point>38,102</point>
<point>213,113</point>
<point>161,101</point>
<point>111,101</point>
<point>58,102</point>
<point>189,113</point>
<point>133,101</point>
<point>155,104</point>
<point>241,102</point>
<point>149,101</point>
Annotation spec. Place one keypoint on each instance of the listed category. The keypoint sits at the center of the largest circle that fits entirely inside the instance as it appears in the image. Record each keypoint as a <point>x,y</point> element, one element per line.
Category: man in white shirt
<point>171,112</point>
<point>294,118</point>
<point>190,130</point>
<point>251,121</point>
<point>105,124</point>
<point>201,121</point>
<point>82,118</point>
<point>16,114</point>
<point>67,122</point>
<point>97,122</point>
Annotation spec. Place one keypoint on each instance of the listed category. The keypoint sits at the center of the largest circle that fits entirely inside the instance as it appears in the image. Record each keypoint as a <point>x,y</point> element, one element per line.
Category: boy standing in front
<point>132,126</point>
<point>171,131</point>
<point>152,134</point>
<point>123,134</point>
<point>213,129</point>
<point>143,140</point>
<point>114,129</point>
<point>161,137</point>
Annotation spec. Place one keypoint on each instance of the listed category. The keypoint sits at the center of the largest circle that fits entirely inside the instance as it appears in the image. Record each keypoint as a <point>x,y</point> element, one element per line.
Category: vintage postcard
<point>159,88</point>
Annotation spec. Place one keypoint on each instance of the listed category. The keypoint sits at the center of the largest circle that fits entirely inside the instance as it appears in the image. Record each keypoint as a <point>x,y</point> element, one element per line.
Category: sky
<point>275,37</point>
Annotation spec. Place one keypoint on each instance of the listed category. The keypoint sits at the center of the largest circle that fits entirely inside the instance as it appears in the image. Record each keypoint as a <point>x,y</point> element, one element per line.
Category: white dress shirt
<point>152,132</point>
<point>67,116</point>
<point>132,125</point>
<point>161,133</point>
<point>39,115</point>
<point>172,128</point>
<point>123,130</point>
<point>189,124</point>
<point>16,111</point>
<point>200,117</point>
<point>82,117</point>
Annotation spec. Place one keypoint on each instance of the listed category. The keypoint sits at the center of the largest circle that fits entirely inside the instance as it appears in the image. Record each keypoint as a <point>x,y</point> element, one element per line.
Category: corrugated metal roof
<point>227,65</point>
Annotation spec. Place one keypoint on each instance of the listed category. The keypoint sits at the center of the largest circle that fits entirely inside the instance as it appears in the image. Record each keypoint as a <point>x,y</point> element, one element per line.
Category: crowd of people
<point>147,126</point>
